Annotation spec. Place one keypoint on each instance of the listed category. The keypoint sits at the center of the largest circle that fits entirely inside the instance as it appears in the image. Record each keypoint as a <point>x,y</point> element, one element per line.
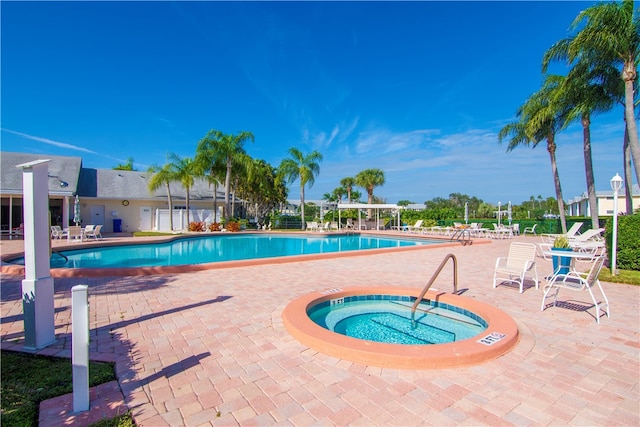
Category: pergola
<point>376,206</point>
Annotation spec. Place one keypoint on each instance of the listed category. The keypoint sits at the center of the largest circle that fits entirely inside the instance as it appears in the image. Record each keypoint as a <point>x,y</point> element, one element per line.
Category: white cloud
<point>50,141</point>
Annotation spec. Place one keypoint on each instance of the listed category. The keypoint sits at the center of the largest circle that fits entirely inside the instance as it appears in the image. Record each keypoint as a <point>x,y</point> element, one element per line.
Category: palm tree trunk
<point>588,168</point>
<point>170,207</point>
<point>304,223</point>
<point>187,206</point>
<point>628,181</point>
<point>215,201</point>
<point>227,188</point>
<point>629,75</point>
<point>551,148</point>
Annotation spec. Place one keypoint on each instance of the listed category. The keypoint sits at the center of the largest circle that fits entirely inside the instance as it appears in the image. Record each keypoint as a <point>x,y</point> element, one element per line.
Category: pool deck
<point>210,348</point>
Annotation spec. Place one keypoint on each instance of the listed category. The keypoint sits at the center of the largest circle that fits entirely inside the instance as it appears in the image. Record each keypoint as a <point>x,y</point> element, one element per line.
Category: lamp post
<point>616,185</point>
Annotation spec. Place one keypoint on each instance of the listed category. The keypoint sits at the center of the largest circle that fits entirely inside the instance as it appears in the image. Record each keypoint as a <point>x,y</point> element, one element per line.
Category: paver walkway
<point>209,348</point>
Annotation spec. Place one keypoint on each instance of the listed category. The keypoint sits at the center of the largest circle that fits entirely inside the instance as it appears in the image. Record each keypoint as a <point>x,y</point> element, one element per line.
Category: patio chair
<point>415,227</point>
<point>577,281</point>
<point>75,232</point>
<point>515,266</point>
<point>57,232</point>
<point>312,226</point>
<point>530,230</point>
<point>93,232</point>
<point>593,235</point>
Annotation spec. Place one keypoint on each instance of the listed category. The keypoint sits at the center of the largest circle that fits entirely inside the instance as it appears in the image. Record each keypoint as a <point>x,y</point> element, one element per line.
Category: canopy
<point>376,206</point>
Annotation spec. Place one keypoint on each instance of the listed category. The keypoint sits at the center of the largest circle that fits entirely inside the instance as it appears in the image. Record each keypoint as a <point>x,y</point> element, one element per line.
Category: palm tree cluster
<point>221,158</point>
<point>602,57</point>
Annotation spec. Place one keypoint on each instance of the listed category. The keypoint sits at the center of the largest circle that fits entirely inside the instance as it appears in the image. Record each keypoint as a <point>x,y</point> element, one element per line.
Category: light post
<point>616,185</point>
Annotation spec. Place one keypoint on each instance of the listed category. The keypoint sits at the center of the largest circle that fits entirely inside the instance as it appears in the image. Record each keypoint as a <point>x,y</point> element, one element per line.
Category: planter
<point>561,265</point>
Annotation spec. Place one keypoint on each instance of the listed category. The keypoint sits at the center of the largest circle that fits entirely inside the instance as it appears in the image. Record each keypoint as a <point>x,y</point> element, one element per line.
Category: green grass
<point>28,379</point>
<point>628,277</point>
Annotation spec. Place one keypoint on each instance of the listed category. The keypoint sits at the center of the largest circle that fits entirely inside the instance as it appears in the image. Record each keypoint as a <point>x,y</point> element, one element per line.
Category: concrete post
<point>80,347</point>
<point>37,286</point>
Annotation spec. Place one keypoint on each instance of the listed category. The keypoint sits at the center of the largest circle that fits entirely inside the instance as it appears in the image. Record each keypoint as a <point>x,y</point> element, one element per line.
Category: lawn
<point>29,379</point>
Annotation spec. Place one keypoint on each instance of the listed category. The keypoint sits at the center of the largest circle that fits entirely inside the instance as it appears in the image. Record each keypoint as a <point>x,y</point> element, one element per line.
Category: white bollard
<point>80,347</point>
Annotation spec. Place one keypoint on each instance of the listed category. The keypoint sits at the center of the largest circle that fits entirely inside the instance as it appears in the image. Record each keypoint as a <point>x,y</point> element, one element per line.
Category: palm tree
<point>301,166</point>
<point>184,169</point>
<point>348,183</point>
<point>162,176</point>
<point>370,179</point>
<point>538,119</point>
<point>229,150</point>
<point>609,35</point>
<point>213,166</point>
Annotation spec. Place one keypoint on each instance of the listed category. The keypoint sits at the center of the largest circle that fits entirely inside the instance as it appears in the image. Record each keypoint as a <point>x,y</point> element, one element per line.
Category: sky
<point>417,89</point>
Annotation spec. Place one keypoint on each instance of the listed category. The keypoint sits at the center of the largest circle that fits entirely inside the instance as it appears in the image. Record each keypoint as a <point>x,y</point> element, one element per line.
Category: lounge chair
<point>515,266</point>
<point>93,232</point>
<point>577,281</point>
<point>571,233</point>
<point>415,227</point>
<point>57,232</point>
<point>530,230</point>
<point>593,235</point>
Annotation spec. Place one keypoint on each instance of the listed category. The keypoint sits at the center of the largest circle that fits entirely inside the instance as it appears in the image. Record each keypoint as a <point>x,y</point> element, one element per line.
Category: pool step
<point>427,334</point>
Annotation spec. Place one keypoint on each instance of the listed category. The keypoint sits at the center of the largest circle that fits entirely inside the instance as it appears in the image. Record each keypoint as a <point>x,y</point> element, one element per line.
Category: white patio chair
<point>515,266</point>
<point>415,227</point>
<point>93,232</point>
<point>577,281</point>
<point>75,232</point>
<point>57,232</point>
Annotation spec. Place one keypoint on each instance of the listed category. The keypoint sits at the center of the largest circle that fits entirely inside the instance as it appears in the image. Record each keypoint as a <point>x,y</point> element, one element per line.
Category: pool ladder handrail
<point>433,279</point>
<point>460,235</point>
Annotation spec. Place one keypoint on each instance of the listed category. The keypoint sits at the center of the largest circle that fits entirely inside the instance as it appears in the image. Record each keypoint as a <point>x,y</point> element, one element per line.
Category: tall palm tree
<point>228,149</point>
<point>539,118</point>
<point>304,167</point>
<point>588,90</point>
<point>212,164</point>
<point>162,176</point>
<point>609,34</point>
<point>348,184</point>
<point>184,169</point>
<point>370,179</point>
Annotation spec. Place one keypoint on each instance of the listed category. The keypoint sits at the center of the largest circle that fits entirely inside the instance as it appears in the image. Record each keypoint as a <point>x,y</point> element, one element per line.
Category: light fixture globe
<point>616,183</point>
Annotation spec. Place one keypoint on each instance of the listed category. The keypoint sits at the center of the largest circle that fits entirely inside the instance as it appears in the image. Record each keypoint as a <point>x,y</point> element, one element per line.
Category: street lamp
<point>616,185</point>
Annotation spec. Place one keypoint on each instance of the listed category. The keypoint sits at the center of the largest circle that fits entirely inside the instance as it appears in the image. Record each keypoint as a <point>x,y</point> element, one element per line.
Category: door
<point>145,218</point>
<point>97,215</point>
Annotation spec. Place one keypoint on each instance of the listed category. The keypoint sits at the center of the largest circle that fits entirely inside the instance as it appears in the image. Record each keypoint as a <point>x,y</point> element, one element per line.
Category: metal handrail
<point>433,279</point>
<point>459,235</point>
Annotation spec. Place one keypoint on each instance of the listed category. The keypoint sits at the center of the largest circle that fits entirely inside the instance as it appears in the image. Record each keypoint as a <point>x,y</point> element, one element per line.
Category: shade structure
<point>76,211</point>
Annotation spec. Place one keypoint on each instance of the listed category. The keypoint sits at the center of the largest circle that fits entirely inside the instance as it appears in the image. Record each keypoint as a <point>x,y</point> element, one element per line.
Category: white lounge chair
<point>530,230</point>
<point>57,232</point>
<point>93,232</point>
<point>593,235</point>
<point>415,227</point>
<point>577,281</point>
<point>515,266</point>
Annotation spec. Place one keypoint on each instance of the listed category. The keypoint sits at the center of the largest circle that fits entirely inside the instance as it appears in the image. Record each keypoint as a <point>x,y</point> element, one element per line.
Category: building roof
<point>67,177</point>
<point>63,173</point>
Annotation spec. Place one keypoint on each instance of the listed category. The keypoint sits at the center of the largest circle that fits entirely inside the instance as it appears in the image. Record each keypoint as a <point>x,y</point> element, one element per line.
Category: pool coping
<point>467,352</point>
<point>13,269</point>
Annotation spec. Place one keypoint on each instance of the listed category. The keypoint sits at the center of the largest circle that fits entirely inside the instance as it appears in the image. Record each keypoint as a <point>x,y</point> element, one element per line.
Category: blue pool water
<point>387,318</point>
<point>221,247</point>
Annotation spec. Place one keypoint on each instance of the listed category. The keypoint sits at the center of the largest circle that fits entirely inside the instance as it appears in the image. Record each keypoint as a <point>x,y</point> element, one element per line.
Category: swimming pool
<point>196,250</point>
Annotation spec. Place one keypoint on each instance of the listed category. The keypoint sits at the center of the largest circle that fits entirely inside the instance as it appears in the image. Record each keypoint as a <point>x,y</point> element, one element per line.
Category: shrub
<point>561,242</point>
<point>233,226</point>
<point>214,226</point>
<point>196,226</point>
<point>628,255</point>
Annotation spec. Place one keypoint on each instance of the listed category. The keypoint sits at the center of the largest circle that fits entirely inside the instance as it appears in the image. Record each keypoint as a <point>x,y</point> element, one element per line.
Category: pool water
<point>387,319</point>
<point>219,248</point>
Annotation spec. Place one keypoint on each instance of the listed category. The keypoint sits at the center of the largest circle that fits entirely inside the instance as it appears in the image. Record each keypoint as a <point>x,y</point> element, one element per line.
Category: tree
<point>370,179</point>
<point>303,167</point>
<point>348,184</point>
<point>183,169</point>
<point>213,166</point>
<point>162,176</point>
<point>229,150</point>
<point>539,118</point>
<point>609,34</point>
<point>125,167</point>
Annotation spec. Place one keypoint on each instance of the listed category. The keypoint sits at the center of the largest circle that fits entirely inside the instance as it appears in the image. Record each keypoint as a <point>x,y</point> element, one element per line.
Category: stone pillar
<point>37,286</point>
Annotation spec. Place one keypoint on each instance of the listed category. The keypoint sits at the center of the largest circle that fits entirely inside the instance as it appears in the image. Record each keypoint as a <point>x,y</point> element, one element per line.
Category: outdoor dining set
<point>76,232</point>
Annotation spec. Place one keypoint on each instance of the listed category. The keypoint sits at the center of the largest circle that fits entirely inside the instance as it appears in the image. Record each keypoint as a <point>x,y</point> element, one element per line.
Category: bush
<point>233,226</point>
<point>214,226</point>
<point>196,226</point>
<point>628,255</point>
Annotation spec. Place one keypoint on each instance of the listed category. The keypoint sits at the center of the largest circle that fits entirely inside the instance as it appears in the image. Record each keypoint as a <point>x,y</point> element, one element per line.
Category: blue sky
<point>417,89</point>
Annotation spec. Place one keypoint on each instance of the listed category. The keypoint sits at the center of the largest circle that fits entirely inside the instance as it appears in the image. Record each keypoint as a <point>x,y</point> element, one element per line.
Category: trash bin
<point>117,225</point>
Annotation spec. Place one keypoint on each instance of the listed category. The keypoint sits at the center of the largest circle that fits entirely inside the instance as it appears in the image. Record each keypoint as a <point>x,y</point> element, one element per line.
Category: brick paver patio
<point>209,348</point>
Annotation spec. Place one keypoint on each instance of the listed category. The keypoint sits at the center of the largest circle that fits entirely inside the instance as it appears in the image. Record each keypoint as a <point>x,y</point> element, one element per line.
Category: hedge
<point>628,255</point>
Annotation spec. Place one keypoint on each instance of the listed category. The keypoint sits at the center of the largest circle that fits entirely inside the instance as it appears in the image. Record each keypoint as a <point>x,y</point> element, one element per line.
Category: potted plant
<point>561,264</point>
